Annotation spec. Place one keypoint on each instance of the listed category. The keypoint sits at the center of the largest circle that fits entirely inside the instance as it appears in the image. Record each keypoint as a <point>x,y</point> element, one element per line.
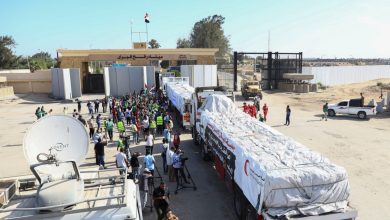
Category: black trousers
<point>287,120</point>
<point>91,132</point>
<point>181,170</point>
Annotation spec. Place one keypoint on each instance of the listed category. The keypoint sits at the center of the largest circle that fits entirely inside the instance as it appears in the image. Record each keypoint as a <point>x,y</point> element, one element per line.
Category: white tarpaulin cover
<point>273,171</point>
<point>179,94</point>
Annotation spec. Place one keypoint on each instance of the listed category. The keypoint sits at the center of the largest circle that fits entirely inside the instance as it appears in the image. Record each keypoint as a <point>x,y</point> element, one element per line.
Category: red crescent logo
<point>245,165</point>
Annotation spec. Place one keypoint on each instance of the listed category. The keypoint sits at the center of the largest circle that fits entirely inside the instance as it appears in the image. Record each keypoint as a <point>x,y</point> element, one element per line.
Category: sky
<point>318,28</point>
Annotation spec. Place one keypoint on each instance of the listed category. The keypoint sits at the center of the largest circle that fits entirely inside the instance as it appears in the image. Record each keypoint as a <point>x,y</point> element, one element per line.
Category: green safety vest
<point>120,144</point>
<point>121,126</point>
<point>152,124</point>
<point>160,120</point>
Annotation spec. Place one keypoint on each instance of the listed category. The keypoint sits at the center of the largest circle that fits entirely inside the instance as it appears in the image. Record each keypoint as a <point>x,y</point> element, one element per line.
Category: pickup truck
<point>351,107</point>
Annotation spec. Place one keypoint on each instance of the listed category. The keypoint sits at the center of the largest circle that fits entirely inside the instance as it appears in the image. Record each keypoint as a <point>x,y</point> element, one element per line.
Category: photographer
<point>178,164</point>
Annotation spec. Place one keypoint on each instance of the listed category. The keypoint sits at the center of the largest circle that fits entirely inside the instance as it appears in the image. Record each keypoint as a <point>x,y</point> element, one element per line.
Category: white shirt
<point>96,136</point>
<point>145,123</point>
<point>149,140</point>
<point>169,157</point>
<point>120,159</point>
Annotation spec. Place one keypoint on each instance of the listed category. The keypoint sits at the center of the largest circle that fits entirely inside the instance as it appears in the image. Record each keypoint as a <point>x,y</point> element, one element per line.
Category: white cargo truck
<point>200,75</point>
<point>272,176</point>
<point>179,93</point>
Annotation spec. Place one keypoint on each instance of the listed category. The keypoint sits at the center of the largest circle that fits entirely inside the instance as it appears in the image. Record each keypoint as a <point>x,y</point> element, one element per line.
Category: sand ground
<point>361,146</point>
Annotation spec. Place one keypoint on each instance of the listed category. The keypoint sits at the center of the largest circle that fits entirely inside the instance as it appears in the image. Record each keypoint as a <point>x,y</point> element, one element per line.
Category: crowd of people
<point>138,118</point>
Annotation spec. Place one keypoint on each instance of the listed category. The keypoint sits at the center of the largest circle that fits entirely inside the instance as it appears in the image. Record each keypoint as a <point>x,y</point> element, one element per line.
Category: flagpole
<point>147,35</point>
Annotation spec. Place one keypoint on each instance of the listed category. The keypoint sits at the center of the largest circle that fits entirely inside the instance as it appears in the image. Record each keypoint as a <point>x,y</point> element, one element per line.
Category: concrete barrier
<point>37,82</point>
<point>6,91</point>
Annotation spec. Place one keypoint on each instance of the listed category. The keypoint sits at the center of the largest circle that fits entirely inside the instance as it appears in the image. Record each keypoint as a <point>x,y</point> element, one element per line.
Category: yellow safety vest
<point>160,120</point>
<point>121,126</point>
<point>152,124</point>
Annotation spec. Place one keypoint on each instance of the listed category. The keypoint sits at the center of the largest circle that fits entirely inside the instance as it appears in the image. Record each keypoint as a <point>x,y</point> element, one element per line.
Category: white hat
<point>147,170</point>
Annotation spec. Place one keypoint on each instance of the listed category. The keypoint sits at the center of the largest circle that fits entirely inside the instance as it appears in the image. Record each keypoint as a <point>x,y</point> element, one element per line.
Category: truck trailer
<point>272,176</point>
<point>179,93</point>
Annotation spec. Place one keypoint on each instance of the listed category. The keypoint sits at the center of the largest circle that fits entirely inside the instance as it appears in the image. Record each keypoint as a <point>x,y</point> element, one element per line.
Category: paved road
<point>211,200</point>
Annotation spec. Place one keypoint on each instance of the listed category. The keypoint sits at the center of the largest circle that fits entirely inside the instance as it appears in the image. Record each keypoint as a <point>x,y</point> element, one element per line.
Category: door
<point>343,107</point>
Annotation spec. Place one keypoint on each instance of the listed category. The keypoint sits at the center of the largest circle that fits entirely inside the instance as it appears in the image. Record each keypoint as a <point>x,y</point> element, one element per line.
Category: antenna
<point>269,41</point>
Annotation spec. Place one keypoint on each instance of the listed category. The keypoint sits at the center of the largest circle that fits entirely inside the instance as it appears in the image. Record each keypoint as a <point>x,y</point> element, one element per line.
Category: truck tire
<point>204,153</point>
<point>331,113</point>
<point>195,136</point>
<point>362,115</point>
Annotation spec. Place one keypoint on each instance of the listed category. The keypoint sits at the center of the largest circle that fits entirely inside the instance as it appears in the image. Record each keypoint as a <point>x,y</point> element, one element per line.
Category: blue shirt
<point>149,162</point>
<point>167,134</point>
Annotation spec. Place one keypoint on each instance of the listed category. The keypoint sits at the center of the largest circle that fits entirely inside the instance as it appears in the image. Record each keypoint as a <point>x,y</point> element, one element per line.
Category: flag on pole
<point>146,18</point>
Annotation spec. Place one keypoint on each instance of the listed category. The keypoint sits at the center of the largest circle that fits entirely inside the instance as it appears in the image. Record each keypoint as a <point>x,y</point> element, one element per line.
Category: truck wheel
<point>362,115</point>
<point>331,113</point>
<point>195,136</point>
<point>205,155</point>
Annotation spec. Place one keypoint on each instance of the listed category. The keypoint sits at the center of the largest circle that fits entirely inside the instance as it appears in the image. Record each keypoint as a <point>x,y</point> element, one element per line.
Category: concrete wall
<point>6,91</point>
<point>339,75</point>
<point>37,82</point>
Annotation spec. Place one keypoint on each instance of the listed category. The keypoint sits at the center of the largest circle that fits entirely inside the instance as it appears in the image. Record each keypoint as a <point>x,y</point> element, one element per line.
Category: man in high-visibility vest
<point>121,127</point>
<point>152,127</point>
<point>160,124</point>
<point>110,126</point>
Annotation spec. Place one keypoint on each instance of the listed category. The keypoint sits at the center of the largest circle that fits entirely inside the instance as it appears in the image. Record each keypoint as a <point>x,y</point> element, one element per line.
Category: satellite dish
<point>63,136</point>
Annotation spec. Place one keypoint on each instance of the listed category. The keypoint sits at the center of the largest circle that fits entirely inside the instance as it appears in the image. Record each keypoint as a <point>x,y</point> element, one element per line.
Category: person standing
<point>134,132</point>
<point>121,161</point>
<point>99,151</point>
<point>145,179</point>
<point>128,116</point>
<point>104,104</point>
<point>178,168</point>
<point>167,134</point>
<point>161,200</point>
<point>81,119</point>
<point>160,123</point>
<point>265,111</point>
<point>152,126</point>
<point>149,161</point>
<point>149,142</point>
<point>164,148</point>
<point>99,121</point>
<point>171,172</point>
<point>288,114</point>
<point>110,128</point>
<point>65,110</point>
<point>145,126</point>
<point>91,128</point>
<point>38,113</point>
<point>176,140</point>
<point>325,111</point>
<point>97,103</point>
<point>78,105</point>
<point>134,163</point>
<point>362,99</point>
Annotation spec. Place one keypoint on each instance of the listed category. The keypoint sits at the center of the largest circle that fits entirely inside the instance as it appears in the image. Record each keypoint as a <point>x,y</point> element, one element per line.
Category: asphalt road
<point>211,199</point>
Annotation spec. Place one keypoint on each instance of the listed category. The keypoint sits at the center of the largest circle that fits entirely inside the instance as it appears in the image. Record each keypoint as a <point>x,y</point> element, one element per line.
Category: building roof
<point>189,51</point>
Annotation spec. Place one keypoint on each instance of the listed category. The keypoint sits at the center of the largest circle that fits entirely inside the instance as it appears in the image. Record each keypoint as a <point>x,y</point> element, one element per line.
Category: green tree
<point>208,33</point>
<point>183,43</point>
<point>154,44</point>
<point>41,60</point>
<point>8,59</point>
<point>164,64</point>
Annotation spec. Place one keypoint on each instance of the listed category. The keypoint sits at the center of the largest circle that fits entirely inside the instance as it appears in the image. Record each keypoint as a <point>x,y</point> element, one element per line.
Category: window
<point>343,104</point>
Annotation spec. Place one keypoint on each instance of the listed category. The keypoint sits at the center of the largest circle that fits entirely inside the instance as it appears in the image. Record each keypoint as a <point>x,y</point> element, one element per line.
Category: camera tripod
<point>180,185</point>
<point>149,196</point>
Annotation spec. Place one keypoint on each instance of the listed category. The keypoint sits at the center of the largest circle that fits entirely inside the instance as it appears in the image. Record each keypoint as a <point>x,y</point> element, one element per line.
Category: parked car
<point>351,107</point>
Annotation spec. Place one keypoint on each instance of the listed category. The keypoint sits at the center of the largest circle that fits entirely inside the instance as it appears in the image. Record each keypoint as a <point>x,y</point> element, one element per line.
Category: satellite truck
<point>271,176</point>
<point>55,147</point>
